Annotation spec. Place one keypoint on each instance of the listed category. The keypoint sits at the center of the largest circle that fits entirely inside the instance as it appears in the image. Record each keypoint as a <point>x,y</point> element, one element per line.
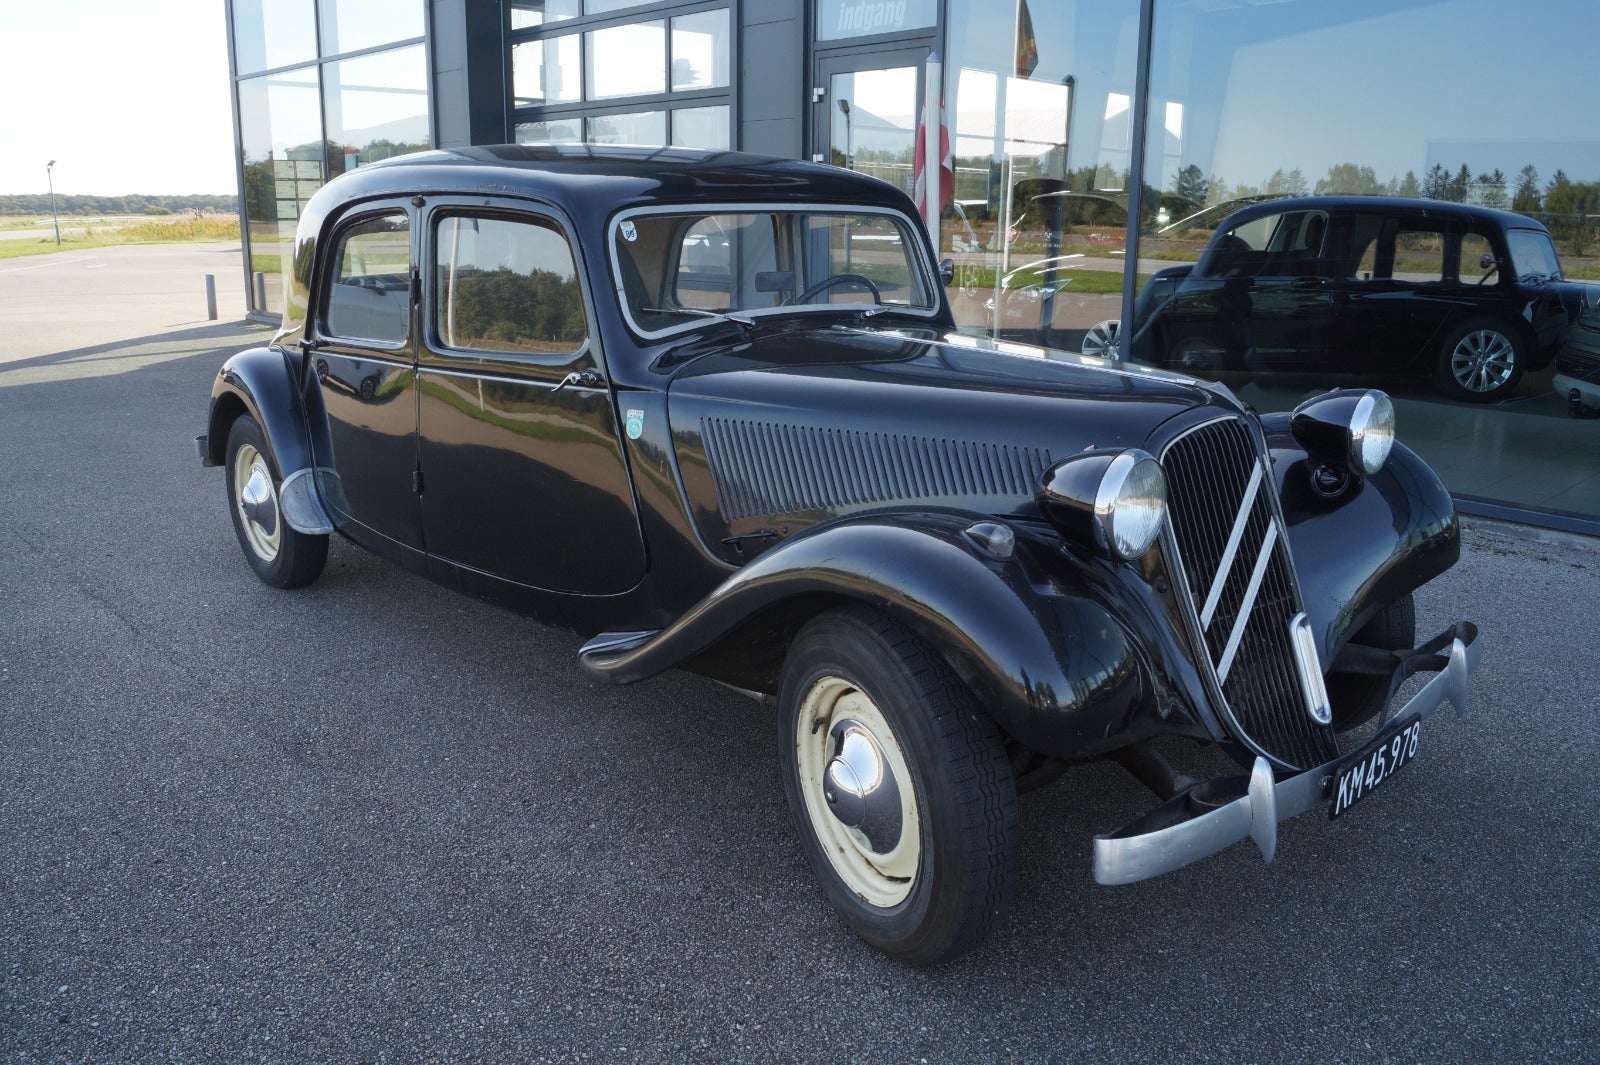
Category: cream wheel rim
<point>840,727</point>
<point>255,498</point>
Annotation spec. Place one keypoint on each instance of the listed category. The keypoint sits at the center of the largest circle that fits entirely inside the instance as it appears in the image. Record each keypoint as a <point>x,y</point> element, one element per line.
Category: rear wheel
<point>1480,361</point>
<point>1356,698</point>
<point>280,556</point>
<point>899,787</point>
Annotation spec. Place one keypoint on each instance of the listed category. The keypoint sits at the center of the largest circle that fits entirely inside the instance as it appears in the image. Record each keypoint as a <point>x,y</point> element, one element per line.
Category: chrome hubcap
<point>858,793</point>
<point>1102,339</point>
<point>860,788</point>
<point>257,503</point>
<point>1483,360</point>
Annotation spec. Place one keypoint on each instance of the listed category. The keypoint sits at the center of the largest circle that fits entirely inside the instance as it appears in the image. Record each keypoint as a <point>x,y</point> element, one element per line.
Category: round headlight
<point>1371,432</point>
<point>1131,504</point>
<point>1346,429</point>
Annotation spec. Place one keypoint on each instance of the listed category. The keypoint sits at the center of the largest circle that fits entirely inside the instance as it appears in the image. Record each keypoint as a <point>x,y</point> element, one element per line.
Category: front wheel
<point>1480,361</point>
<point>1101,339</point>
<point>899,787</point>
<point>280,556</point>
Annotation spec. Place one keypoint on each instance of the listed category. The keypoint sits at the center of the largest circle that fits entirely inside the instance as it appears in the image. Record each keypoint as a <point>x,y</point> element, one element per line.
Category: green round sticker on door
<point>635,424</point>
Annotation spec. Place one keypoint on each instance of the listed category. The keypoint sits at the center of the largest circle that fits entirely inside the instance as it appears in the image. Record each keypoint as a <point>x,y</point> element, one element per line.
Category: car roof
<point>1398,205</point>
<point>613,174</point>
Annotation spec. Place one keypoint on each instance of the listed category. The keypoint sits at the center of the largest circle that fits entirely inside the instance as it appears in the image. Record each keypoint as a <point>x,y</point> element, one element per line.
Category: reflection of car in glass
<point>952,566</point>
<point>1578,365</point>
<point>1024,290</point>
<point>1471,296</point>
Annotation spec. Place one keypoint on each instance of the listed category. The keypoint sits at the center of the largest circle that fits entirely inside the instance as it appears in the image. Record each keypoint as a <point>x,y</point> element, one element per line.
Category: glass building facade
<point>320,86</point>
<point>1285,197</point>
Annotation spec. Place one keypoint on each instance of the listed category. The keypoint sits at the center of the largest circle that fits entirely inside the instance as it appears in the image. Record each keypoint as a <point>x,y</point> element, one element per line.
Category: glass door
<point>866,119</point>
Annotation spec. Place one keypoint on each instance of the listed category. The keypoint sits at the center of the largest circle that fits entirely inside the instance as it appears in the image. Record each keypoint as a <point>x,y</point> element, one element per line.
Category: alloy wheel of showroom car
<point>899,787</point>
<point>281,556</point>
<point>1480,361</point>
<point>1102,339</point>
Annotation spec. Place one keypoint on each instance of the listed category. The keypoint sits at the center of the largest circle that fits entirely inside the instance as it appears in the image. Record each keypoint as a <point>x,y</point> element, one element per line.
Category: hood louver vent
<point>768,469</point>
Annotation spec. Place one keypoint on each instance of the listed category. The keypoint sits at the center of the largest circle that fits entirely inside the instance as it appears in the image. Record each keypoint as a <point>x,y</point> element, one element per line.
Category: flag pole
<point>932,179</point>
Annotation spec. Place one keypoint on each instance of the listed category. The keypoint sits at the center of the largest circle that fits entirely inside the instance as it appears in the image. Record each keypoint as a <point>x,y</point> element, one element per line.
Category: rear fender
<point>1057,671</point>
<point>261,382</point>
<point>1381,539</point>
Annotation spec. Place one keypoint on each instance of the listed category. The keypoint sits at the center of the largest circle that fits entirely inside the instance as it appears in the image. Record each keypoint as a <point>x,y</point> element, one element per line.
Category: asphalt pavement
<point>373,820</point>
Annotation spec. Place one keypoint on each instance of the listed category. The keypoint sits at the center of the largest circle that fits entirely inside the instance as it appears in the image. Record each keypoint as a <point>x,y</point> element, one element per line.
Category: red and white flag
<point>947,169</point>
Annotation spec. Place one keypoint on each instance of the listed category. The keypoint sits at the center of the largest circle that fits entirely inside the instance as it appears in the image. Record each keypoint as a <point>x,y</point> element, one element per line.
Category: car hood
<point>790,428</point>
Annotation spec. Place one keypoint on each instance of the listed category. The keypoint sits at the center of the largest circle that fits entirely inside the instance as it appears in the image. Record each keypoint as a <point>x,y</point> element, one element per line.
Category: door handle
<point>581,378</point>
<point>1306,283</point>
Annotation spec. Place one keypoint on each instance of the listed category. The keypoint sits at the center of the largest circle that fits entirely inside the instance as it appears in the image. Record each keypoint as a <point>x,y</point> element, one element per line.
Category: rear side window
<point>1419,254</point>
<point>507,285</point>
<point>369,296</point>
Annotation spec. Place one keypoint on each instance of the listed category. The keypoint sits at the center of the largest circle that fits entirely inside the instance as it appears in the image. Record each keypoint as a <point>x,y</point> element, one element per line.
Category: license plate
<point>1362,775</point>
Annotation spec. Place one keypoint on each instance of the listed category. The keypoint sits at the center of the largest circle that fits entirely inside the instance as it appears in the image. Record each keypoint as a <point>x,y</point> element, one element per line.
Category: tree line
<point>39,204</point>
<point>1525,193</point>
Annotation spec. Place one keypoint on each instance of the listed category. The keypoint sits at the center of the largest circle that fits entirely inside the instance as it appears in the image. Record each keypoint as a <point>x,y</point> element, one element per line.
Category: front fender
<point>1385,537</point>
<point>1054,667</point>
<point>261,382</point>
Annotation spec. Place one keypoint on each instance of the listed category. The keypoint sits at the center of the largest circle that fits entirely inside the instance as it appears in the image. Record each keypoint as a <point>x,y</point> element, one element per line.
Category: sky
<point>1396,85</point>
<point>125,97</point>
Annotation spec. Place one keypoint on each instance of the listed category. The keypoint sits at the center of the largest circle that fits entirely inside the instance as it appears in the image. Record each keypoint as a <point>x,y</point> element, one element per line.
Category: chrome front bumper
<point>1205,819</point>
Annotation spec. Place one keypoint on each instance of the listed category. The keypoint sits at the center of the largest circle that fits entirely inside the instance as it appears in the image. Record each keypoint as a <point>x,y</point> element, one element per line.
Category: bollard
<point>211,297</point>
<point>261,291</point>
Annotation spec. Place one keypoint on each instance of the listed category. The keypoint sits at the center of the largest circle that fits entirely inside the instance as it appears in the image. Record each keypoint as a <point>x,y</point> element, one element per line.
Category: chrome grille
<point>1235,564</point>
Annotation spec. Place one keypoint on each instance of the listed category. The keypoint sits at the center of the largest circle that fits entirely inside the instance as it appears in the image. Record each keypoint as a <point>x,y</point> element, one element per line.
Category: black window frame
<point>331,271</point>
<point>534,214</point>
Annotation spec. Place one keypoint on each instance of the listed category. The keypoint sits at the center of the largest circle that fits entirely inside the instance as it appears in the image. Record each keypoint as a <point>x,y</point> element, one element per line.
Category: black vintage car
<point>709,410</point>
<point>1365,285</point>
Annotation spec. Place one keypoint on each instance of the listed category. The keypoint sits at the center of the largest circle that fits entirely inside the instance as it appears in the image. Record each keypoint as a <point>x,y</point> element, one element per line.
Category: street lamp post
<point>49,175</point>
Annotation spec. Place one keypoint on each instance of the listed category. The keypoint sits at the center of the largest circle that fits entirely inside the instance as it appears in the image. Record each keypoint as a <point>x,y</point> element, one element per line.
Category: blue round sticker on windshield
<point>635,424</point>
<point>629,234</point>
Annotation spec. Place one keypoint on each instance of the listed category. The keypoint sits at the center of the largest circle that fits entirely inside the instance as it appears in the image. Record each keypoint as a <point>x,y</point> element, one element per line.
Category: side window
<point>1475,249</point>
<point>369,296</point>
<point>507,285</point>
<point>1418,254</point>
<point>1241,251</point>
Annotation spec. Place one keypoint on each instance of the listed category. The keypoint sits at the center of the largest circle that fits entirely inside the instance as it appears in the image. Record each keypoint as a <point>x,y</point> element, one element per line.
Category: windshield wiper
<point>699,313</point>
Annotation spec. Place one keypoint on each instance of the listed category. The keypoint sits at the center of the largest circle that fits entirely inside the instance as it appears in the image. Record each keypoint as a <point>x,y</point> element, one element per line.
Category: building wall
<point>1053,234</point>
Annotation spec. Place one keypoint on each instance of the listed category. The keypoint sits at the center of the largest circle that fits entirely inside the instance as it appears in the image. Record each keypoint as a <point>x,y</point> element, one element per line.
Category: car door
<point>361,349</point>
<point>1290,306</point>
<point>523,474</point>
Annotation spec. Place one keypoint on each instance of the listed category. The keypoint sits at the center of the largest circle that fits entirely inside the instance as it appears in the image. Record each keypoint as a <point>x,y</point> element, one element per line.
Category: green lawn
<point>181,231</point>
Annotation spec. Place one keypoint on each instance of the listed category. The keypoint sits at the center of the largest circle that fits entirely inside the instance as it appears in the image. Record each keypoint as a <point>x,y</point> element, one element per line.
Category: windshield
<point>677,268</point>
<point>1532,254</point>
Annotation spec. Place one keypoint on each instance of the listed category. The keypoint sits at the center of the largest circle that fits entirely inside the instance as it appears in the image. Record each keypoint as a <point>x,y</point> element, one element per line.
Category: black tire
<point>281,556</point>
<point>963,792</point>
<point>1480,361</point>
<point>1356,698</point>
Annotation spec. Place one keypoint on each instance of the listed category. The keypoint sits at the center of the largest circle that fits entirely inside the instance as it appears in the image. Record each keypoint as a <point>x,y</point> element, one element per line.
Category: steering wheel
<point>833,281</point>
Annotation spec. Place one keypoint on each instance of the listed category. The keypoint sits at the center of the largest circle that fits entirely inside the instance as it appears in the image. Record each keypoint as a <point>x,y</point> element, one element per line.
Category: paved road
<point>78,298</point>
<point>375,821</point>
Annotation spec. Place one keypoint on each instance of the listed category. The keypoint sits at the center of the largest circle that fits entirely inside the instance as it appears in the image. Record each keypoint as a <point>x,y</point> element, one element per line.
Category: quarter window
<point>507,285</point>
<point>369,298</point>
